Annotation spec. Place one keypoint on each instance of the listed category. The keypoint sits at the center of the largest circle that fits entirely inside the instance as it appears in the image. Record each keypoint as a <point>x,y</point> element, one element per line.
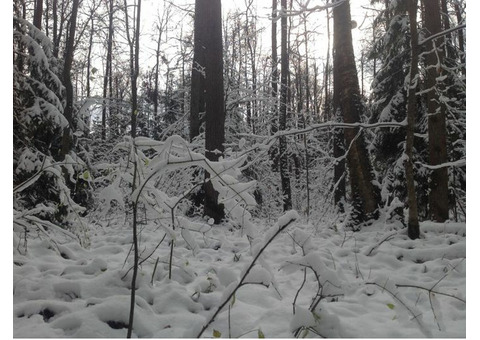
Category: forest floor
<point>372,283</point>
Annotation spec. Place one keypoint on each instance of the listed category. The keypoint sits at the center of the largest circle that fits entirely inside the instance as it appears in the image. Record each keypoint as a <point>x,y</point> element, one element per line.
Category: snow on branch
<point>305,9</point>
<point>458,163</point>
<point>440,34</point>
<point>335,125</point>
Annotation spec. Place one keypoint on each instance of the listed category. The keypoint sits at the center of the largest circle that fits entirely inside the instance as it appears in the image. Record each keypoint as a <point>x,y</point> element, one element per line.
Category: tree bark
<point>157,72</point>
<point>208,32</point>
<point>413,225</point>
<point>273,152</point>
<point>89,54</point>
<point>437,131</point>
<point>67,81</point>
<point>461,39</point>
<point>108,74</point>
<point>37,15</point>
<point>134,64</point>
<point>55,27</point>
<point>347,99</point>
<point>197,96</point>
<point>282,119</point>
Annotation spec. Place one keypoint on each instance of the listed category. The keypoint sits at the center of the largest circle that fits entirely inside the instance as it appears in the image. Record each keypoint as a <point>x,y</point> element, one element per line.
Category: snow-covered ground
<point>372,283</point>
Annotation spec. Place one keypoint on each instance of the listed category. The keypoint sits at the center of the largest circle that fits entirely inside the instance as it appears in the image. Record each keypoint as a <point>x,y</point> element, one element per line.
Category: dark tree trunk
<point>208,33</point>
<point>450,54</point>
<point>413,225</point>
<point>197,96</point>
<point>67,81</point>
<point>347,99</point>
<point>58,25</point>
<point>135,72</point>
<point>55,27</point>
<point>134,64</point>
<point>282,119</point>
<point>437,132</point>
<point>274,63</point>
<point>157,71</point>
<point>20,9</point>
<point>38,13</point>
<point>274,118</point>
<point>108,68</point>
<point>461,39</point>
<point>89,54</point>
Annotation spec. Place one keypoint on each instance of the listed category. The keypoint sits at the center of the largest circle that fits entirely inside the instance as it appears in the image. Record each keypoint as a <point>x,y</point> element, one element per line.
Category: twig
<point>280,229</point>
<point>299,289</point>
<point>147,257</point>
<point>415,316</point>
<point>430,290</point>
<point>386,238</point>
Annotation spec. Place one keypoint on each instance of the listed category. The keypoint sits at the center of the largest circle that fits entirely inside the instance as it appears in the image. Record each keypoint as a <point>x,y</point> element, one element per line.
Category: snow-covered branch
<point>442,33</point>
<point>335,125</point>
<point>459,163</point>
<point>305,9</point>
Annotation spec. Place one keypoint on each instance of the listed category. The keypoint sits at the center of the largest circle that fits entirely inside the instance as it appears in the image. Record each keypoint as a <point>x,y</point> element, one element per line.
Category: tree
<point>108,69</point>
<point>390,54</point>
<point>37,15</point>
<point>134,44</point>
<point>197,95</point>
<point>282,119</point>
<point>67,80</point>
<point>209,52</point>
<point>42,186</point>
<point>274,66</point>
<point>347,100</point>
<point>413,226</point>
<point>437,132</point>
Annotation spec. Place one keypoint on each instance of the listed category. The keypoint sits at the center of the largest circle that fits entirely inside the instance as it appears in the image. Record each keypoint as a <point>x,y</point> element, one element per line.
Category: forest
<point>246,169</point>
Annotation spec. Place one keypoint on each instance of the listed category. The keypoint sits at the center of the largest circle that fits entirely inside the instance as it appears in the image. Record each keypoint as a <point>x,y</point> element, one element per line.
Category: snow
<point>374,283</point>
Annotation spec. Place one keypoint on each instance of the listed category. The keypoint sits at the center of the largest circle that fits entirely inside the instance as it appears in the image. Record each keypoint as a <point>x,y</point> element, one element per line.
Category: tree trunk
<point>208,33</point>
<point>89,54</point>
<point>437,132</point>
<point>413,226</point>
<point>251,104</point>
<point>282,119</point>
<point>461,39</point>
<point>273,152</point>
<point>197,96</point>
<point>37,15</point>
<point>67,81</point>
<point>157,71</point>
<point>347,99</point>
<point>339,170</point>
<point>55,27</point>
<point>108,69</point>
<point>134,64</point>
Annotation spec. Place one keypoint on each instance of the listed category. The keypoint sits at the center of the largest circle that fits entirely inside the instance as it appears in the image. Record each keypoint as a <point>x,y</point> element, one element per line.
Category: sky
<point>317,21</point>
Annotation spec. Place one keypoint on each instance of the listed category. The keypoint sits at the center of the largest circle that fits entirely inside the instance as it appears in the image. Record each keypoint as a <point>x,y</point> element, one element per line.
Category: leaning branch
<point>336,125</point>
<point>440,34</point>
<point>458,163</point>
